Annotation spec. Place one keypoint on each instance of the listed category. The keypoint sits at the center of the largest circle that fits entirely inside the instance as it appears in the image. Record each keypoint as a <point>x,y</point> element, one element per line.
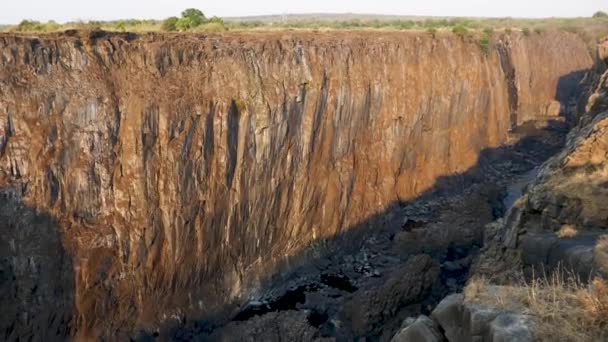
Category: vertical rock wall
<point>179,170</point>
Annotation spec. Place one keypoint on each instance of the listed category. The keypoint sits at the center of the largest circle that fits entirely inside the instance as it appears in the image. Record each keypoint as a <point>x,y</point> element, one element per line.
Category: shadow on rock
<point>36,274</point>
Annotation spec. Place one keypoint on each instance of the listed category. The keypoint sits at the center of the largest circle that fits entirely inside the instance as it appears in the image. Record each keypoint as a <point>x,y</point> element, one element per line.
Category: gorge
<point>153,181</point>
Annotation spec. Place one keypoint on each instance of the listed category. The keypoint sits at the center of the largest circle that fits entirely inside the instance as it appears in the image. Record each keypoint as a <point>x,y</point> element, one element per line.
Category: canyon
<point>151,182</point>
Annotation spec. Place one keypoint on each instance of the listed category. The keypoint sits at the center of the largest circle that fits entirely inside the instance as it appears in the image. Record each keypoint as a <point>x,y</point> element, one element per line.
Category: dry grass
<point>600,253</point>
<point>561,307</point>
<point>567,231</point>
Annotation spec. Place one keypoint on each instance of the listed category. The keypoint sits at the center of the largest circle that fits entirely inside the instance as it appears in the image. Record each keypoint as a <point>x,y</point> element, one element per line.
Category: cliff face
<point>562,218</point>
<point>171,173</point>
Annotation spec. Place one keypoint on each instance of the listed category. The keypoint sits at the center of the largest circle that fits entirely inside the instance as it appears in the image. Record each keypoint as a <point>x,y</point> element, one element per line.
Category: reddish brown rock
<point>181,169</point>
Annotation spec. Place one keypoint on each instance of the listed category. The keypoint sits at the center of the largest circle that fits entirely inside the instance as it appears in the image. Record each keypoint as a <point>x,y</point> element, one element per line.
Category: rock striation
<point>165,176</point>
<point>561,219</point>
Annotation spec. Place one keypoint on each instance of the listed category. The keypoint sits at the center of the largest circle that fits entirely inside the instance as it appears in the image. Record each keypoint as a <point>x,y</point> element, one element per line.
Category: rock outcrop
<point>462,321</point>
<point>562,218</point>
<point>174,173</point>
<point>456,320</point>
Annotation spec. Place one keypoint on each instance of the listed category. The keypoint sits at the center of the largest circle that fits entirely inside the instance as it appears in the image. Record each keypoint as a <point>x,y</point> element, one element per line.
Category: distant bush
<point>508,30</point>
<point>211,27</point>
<point>600,14</point>
<point>216,20</point>
<point>432,31</point>
<point>488,31</point>
<point>120,26</point>
<point>36,26</point>
<point>460,30</point>
<point>169,24</point>
<point>539,30</point>
<point>526,31</point>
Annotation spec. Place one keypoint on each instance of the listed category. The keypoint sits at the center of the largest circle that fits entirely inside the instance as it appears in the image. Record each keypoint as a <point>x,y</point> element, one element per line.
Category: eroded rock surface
<point>181,170</point>
<point>568,195</point>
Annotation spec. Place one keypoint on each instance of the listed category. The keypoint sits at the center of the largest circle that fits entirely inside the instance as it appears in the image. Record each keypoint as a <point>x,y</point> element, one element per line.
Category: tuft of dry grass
<point>561,307</point>
<point>567,231</point>
<point>600,254</point>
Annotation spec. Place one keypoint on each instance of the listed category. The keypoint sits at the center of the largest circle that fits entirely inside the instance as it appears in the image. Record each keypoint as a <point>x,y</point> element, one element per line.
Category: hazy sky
<point>12,11</point>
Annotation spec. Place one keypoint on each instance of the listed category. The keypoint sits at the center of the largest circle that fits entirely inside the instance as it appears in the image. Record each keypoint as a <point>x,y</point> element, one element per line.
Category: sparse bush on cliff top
<point>484,44</point>
<point>600,14</point>
<point>460,30</point>
<point>36,26</point>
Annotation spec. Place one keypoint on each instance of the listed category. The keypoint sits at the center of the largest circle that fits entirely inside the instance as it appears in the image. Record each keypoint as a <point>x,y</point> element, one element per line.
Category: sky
<point>13,11</point>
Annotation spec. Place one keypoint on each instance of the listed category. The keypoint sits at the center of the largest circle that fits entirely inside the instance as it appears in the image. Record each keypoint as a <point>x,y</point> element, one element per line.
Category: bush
<point>508,30</point>
<point>484,44</point>
<point>211,27</point>
<point>460,30</point>
<point>432,31</point>
<point>170,24</point>
<point>120,26</point>
<point>539,30</point>
<point>488,31</point>
<point>36,26</point>
<point>526,31</point>
<point>600,14</point>
<point>28,26</point>
<point>216,20</point>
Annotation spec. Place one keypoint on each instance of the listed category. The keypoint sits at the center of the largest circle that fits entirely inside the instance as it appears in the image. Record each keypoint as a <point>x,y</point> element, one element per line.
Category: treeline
<point>194,20</point>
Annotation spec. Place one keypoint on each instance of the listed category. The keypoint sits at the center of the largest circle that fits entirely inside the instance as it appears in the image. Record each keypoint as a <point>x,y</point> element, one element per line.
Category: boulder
<point>465,322</point>
<point>509,327</point>
<point>423,329</point>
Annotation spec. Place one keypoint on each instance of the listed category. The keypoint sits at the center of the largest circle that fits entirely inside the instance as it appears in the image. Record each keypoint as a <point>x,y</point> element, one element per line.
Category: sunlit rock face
<point>175,172</point>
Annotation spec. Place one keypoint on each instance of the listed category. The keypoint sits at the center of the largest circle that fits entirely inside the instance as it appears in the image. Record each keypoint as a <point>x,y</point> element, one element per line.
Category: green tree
<point>600,14</point>
<point>194,16</point>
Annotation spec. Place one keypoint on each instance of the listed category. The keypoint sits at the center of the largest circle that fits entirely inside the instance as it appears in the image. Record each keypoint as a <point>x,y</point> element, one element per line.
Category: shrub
<point>567,231</point>
<point>28,26</point>
<point>36,26</point>
<point>216,20</point>
<point>488,31</point>
<point>539,30</point>
<point>211,27</point>
<point>460,30</point>
<point>508,30</point>
<point>120,26</point>
<point>484,44</point>
<point>526,31</point>
<point>432,31</point>
<point>600,14</point>
<point>170,24</point>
